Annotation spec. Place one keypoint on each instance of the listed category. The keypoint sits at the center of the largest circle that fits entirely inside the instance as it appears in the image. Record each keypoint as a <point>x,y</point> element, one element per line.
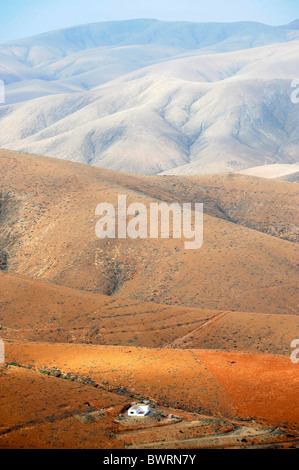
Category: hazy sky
<point>21,18</point>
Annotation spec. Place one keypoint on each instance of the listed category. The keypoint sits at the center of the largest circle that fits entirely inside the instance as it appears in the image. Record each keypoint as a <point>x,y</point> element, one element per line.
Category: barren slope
<point>54,413</point>
<point>227,384</point>
<point>38,311</point>
<point>59,284</point>
<point>48,232</point>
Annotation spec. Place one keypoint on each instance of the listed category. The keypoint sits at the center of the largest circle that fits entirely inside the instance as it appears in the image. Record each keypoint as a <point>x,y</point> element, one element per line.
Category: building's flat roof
<point>136,407</point>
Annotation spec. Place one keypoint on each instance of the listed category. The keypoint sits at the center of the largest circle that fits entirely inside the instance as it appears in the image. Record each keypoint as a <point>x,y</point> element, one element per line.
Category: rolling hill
<point>91,325</point>
<point>179,379</point>
<point>39,311</point>
<point>52,412</point>
<point>159,112</point>
<point>247,261</point>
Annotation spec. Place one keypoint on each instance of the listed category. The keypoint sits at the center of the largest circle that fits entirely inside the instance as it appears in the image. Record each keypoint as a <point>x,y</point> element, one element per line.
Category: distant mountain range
<point>146,96</point>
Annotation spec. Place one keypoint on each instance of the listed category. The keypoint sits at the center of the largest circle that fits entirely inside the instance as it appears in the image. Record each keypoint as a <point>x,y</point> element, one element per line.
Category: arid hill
<point>51,412</point>
<point>92,325</point>
<point>35,310</point>
<point>246,263</point>
<point>226,384</point>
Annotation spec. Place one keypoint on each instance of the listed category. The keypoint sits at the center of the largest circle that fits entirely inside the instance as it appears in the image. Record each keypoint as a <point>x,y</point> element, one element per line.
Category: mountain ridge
<point>151,103</point>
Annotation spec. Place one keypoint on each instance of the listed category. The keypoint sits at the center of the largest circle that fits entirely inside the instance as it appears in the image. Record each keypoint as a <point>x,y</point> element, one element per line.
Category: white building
<point>139,410</point>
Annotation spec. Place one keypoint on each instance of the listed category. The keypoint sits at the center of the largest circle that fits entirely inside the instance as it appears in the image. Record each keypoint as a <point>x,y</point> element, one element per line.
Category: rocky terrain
<point>92,325</point>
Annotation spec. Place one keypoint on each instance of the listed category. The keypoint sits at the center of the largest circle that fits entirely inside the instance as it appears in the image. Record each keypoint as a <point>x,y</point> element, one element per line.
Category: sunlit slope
<point>226,384</point>
<point>45,414</point>
<point>69,411</point>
